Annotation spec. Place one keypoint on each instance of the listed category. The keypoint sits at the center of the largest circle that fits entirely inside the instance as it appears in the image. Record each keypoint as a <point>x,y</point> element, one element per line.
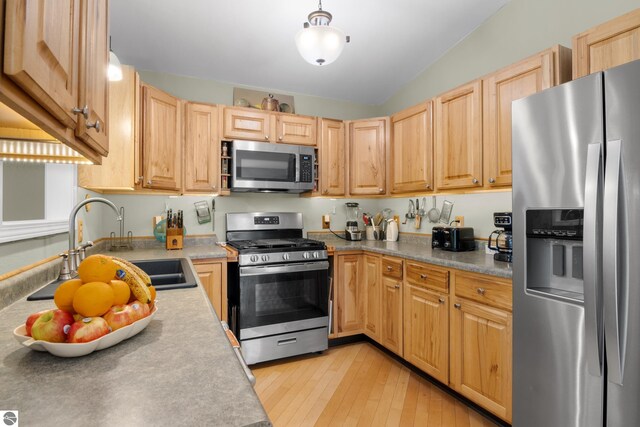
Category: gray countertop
<point>181,370</point>
<point>473,261</point>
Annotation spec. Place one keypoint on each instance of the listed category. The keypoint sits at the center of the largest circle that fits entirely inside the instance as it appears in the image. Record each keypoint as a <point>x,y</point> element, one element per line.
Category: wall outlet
<point>326,221</point>
<point>80,229</point>
<point>460,220</point>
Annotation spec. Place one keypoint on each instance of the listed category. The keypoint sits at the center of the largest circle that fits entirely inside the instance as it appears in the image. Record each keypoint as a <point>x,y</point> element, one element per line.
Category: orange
<point>97,268</point>
<point>121,291</point>
<point>152,291</point>
<point>93,299</point>
<point>63,296</point>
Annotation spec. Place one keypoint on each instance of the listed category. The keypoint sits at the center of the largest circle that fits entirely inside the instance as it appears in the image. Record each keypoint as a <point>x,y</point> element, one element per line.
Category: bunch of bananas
<point>135,277</point>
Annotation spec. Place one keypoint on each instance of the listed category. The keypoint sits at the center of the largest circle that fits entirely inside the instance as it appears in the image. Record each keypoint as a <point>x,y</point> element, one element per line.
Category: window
<point>36,199</point>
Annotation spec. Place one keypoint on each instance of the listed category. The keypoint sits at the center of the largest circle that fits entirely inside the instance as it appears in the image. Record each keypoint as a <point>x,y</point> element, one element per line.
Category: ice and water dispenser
<point>554,252</point>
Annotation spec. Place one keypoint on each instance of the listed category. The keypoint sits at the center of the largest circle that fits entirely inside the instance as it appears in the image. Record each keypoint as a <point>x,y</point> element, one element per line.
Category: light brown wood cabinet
<point>426,319</point>
<point>56,55</point>
<point>119,169</point>
<point>201,148</point>
<point>332,158</point>
<point>213,276</point>
<point>458,137</point>
<point>481,342</point>
<point>607,45</point>
<point>372,283</point>
<point>350,294</point>
<point>257,125</point>
<point>161,140</point>
<point>531,75</point>
<point>367,141</point>
<point>391,314</point>
<point>411,151</point>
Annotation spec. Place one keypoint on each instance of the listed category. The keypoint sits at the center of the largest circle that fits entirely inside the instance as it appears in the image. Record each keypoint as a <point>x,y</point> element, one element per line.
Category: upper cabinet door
<point>458,128</point>
<point>412,149</point>
<point>161,140</point>
<point>292,129</point>
<point>41,53</point>
<point>242,123</point>
<point>610,44</point>
<point>367,148</point>
<point>332,158</point>
<point>94,60</point>
<point>201,148</point>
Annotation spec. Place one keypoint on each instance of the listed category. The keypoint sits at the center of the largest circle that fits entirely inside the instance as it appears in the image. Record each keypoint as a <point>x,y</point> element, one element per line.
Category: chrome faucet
<point>71,259</point>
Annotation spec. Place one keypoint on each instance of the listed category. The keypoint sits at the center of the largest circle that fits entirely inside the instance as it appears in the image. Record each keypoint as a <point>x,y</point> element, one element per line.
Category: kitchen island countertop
<point>181,370</point>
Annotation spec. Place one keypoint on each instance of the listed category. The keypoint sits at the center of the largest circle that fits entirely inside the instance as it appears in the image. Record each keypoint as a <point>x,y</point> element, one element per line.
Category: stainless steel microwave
<point>271,167</point>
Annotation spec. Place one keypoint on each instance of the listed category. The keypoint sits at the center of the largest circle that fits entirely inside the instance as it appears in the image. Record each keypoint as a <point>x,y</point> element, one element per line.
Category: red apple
<point>139,310</point>
<point>31,320</point>
<point>88,329</point>
<point>52,326</point>
<point>118,316</point>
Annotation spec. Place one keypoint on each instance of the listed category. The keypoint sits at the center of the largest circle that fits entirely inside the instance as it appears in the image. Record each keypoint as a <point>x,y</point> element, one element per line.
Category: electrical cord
<point>337,235</point>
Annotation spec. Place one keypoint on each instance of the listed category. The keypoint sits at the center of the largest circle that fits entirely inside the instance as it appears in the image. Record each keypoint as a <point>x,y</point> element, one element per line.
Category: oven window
<point>265,166</point>
<point>284,297</point>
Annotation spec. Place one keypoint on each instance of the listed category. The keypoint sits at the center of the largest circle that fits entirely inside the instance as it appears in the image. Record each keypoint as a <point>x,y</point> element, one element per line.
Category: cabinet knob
<point>389,268</point>
<point>95,125</point>
<point>492,181</point>
<point>475,180</point>
<point>428,186</point>
<point>81,110</point>
<point>325,192</point>
<point>441,300</point>
<point>380,190</point>
<point>149,182</point>
<point>397,286</point>
<point>266,137</point>
<point>423,276</point>
<point>280,138</point>
<point>457,306</point>
<point>480,291</point>
<point>140,179</point>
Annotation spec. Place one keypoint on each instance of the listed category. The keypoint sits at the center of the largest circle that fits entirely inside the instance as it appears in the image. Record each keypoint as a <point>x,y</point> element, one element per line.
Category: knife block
<point>174,238</point>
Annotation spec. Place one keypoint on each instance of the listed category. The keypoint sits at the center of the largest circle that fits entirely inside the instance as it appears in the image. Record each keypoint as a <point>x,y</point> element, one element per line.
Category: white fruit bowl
<point>82,349</point>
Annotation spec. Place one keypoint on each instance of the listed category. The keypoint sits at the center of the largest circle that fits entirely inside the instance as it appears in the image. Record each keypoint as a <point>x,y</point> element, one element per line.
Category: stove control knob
<point>254,258</point>
<point>286,257</point>
<point>265,258</point>
<point>306,255</point>
<point>315,255</point>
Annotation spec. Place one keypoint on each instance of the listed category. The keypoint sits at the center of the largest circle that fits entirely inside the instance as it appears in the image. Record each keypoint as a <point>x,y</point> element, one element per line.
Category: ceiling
<point>251,42</point>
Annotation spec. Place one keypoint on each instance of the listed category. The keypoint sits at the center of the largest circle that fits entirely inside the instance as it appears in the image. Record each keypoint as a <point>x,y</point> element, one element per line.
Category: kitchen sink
<point>173,273</point>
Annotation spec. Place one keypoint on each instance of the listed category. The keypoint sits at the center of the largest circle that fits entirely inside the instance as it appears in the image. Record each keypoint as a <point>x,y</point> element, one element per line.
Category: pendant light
<point>317,42</point>
<point>115,69</point>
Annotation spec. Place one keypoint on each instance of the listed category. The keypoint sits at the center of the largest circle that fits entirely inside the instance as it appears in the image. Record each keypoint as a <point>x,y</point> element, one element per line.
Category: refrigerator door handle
<point>614,312</point>
<point>592,259</point>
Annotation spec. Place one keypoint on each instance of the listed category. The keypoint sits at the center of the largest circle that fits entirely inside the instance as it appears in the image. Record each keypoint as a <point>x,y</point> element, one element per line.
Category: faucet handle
<point>65,273</point>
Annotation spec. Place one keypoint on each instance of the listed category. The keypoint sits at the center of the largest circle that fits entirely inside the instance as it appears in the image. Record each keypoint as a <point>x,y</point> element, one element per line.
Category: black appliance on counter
<point>279,292</point>
<point>502,240</point>
<point>455,239</point>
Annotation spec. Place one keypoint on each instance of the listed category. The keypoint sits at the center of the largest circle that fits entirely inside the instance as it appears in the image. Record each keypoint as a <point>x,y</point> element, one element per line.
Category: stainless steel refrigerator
<point>576,254</point>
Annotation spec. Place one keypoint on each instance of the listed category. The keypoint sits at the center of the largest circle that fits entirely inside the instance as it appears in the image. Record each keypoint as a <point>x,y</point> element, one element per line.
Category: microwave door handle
<point>298,157</point>
<point>592,265</point>
<point>615,310</point>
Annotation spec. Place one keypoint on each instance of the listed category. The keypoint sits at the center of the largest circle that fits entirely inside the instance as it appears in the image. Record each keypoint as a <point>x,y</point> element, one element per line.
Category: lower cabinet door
<point>213,277</point>
<point>481,340</point>
<point>426,331</point>
<point>391,314</point>
<point>372,290</point>
<point>350,301</point>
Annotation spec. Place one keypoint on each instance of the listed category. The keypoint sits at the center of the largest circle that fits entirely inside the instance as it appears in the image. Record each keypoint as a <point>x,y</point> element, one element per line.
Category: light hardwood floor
<point>357,385</point>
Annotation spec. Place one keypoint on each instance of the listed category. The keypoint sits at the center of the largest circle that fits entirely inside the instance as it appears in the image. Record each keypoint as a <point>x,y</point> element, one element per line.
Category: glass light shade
<point>115,69</point>
<point>320,44</point>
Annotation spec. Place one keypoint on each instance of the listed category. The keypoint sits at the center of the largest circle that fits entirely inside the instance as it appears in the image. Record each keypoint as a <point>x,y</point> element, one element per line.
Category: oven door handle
<point>284,268</point>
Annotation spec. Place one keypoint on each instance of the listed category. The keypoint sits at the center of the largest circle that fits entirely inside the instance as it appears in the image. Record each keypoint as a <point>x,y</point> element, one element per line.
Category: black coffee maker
<point>502,240</point>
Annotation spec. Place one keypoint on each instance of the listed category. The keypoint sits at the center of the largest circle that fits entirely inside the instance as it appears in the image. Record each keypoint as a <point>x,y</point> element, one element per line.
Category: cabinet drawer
<point>392,267</point>
<point>427,276</point>
<point>486,290</point>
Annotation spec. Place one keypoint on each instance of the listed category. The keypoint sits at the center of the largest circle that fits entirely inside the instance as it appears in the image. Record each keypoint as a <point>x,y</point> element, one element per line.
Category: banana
<point>140,272</point>
<point>136,284</point>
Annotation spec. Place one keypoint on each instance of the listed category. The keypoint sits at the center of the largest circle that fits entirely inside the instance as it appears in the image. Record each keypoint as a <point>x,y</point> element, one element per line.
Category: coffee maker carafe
<point>502,240</point>
<point>352,232</point>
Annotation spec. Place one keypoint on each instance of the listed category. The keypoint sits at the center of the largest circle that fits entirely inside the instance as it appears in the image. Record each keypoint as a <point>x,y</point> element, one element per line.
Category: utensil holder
<point>174,238</point>
<point>371,231</point>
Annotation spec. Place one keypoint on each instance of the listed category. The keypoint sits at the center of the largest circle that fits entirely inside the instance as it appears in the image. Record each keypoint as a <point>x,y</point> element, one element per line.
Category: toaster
<point>456,239</point>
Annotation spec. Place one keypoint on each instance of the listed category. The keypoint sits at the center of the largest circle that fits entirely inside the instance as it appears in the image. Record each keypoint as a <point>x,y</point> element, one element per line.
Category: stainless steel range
<point>279,292</point>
